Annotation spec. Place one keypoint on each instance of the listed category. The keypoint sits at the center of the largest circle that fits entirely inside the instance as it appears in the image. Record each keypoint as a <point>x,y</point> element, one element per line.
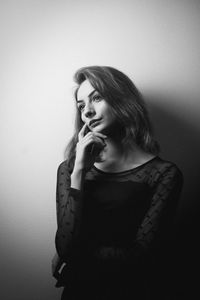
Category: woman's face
<point>94,110</point>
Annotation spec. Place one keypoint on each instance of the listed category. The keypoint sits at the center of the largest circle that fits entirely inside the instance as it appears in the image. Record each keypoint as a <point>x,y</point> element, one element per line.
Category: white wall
<point>43,42</point>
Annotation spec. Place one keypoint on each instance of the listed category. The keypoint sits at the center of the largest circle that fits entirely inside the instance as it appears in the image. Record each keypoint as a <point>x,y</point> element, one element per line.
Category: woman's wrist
<point>78,167</point>
<point>77,177</point>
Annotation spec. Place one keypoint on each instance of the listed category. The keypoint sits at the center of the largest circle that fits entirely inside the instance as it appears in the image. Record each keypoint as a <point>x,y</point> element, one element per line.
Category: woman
<point>116,198</point>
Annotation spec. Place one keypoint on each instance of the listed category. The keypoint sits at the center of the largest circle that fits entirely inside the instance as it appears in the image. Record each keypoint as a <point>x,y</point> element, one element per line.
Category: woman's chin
<point>98,129</point>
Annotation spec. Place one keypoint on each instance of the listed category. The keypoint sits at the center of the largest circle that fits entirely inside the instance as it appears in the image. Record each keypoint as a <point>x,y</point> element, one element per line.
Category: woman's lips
<point>95,123</point>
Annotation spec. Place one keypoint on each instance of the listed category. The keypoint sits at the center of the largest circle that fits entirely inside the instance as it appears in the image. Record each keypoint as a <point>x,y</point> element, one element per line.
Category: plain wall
<point>43,42</point>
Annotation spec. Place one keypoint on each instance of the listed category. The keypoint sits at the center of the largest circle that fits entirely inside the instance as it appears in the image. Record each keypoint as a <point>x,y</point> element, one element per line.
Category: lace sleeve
<point>157,226</point>
<point>68,207</point>
<point>163,208</point>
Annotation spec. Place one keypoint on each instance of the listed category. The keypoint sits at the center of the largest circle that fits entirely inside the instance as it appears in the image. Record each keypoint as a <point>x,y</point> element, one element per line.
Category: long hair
<point>127,105</point>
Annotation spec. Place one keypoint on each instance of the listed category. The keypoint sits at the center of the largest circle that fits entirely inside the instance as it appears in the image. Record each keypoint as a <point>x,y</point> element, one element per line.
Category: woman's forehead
<point>85,90</point>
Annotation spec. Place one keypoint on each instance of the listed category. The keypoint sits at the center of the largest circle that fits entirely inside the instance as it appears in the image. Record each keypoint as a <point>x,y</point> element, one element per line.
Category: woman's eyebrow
<point>89,96</point>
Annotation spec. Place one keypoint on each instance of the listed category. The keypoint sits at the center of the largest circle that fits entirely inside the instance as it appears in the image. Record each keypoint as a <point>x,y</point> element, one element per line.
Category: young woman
<point>116,198</point>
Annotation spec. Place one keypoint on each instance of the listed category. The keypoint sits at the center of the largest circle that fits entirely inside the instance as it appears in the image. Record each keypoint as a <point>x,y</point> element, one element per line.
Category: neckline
<point>126,171</point>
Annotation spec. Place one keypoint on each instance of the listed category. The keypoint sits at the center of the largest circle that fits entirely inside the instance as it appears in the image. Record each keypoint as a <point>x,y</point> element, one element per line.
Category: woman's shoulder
<point>164,164</point>
<point>163,167</point>
<point>63,164</point>
<point>64,167</point>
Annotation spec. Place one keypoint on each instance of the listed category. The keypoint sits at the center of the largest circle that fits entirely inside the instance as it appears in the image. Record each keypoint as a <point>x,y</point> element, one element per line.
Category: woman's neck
<point>114,158</point>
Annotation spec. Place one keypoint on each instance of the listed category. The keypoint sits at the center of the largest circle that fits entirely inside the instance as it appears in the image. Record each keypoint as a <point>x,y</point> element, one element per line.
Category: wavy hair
<point>127,105</point>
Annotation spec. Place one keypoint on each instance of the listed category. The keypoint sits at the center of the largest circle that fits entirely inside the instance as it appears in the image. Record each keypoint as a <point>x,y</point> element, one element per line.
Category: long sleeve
<point>69,207</point>
<point>158,221</point>
<point>156,229</point>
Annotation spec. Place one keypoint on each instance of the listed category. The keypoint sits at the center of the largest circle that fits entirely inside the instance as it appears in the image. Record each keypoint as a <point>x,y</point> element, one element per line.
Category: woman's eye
<point>97,98</point>
<point>80,107</point>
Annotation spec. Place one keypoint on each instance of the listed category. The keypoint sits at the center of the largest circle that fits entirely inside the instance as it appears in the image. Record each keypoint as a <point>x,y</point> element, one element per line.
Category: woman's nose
<point>89,111</point>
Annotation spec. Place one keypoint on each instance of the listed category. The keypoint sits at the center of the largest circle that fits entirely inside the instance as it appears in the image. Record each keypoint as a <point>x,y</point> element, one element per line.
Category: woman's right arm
<point>69,207</point>
<point>69,194</point>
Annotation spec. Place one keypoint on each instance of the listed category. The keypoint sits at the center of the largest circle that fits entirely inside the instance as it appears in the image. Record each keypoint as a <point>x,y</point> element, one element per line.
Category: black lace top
<point>117,218</point>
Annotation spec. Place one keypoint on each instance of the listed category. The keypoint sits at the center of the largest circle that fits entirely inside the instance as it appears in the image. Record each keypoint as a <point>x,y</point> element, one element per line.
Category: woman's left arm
<point>157,226</point>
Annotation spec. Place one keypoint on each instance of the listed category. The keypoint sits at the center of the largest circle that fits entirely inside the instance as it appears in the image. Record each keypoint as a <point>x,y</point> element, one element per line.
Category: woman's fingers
<point>82,131</point>
<point>98,134</point>
<point>94,136</point>
<point>93,139</point>
<point>88,147</point>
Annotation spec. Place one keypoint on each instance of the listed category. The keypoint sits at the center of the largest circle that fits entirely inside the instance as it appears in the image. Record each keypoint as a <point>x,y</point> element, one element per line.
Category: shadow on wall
<point>179,141</point>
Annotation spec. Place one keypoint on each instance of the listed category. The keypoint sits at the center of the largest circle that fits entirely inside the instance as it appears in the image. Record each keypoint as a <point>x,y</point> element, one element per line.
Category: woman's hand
<point>88,148</point>
<point>56,265</point>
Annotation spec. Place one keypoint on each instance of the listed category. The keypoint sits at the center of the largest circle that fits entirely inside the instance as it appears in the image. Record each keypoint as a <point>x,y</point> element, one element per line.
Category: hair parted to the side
<point>127,105</point>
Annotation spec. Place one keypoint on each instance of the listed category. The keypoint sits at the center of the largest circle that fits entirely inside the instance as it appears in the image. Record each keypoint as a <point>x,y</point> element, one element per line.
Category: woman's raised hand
<point>88,147</point>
